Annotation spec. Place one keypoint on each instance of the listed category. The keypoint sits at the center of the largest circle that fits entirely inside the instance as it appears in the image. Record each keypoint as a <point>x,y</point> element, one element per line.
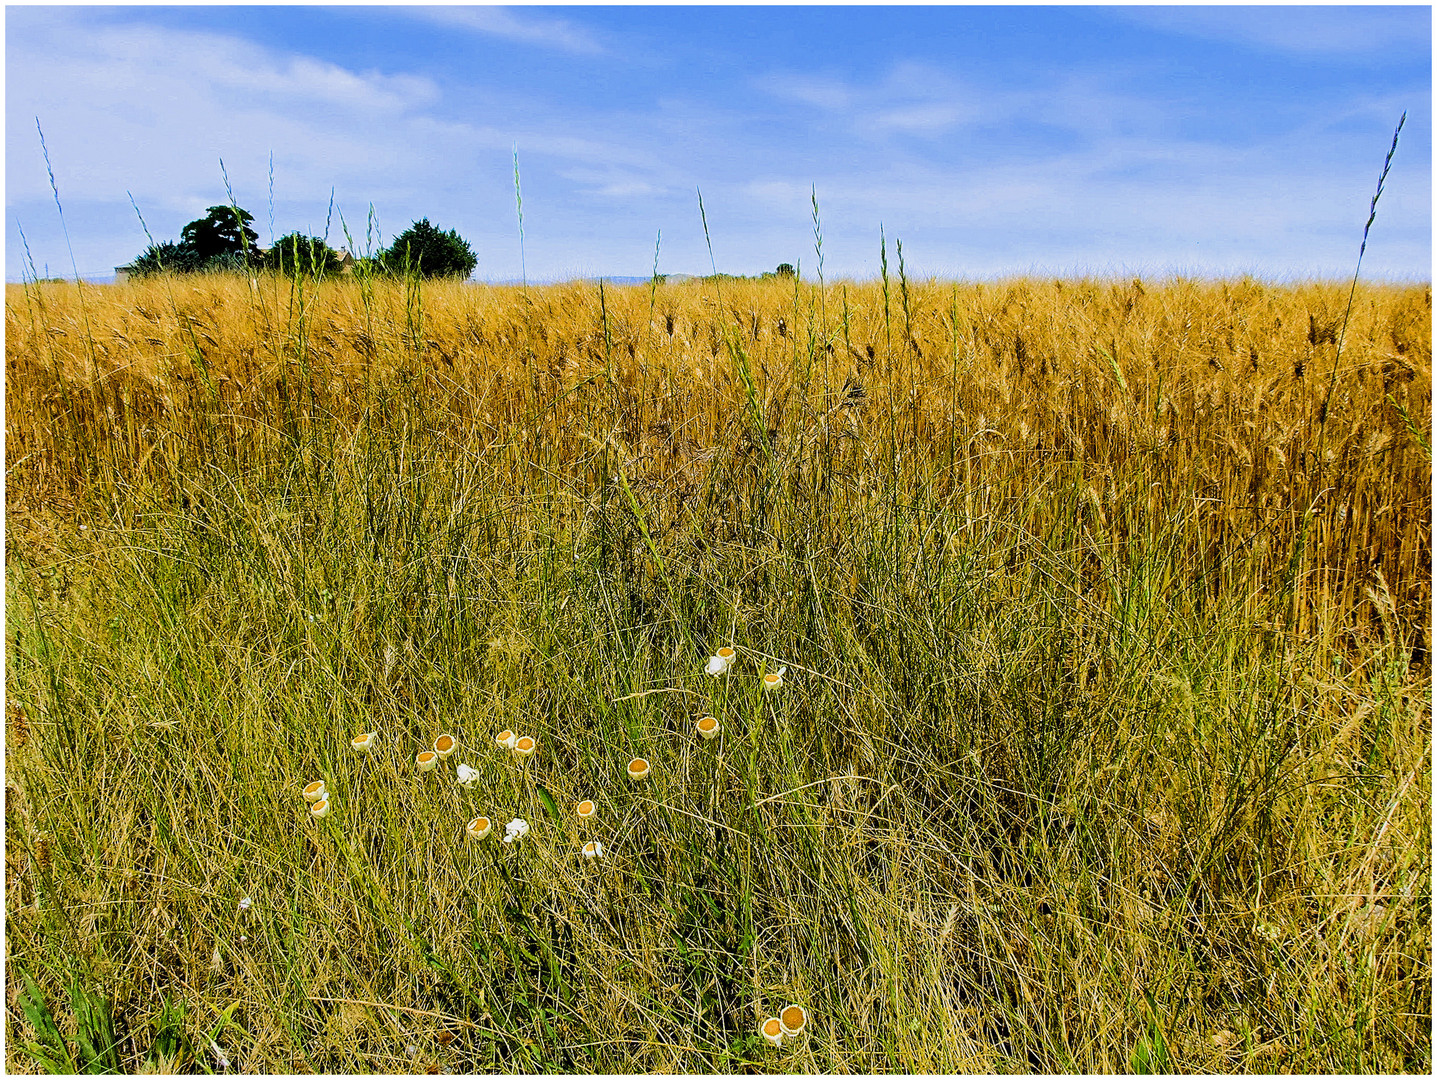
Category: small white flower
<point>479,828</point>
<point>321,808</point>
<point>524,746</point>
<point>246,904</point>
<point>466,776</point>
<point>793,1020</point>
<point>773,1030</point>
<point>506,739</point>
<point>427,760</point>
<point>362,743</point>
<point>638,768</point>
<point>515,830</point>
<point>314,792</point>
<point>445,745</point>
<point>774,679</point>
<point>720,661</point>
<point>708,726</point>
<point>586,809</point>
<point>593,849</point>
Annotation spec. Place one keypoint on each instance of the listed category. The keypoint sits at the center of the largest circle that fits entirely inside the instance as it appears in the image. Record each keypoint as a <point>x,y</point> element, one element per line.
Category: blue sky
<point>990,140</point>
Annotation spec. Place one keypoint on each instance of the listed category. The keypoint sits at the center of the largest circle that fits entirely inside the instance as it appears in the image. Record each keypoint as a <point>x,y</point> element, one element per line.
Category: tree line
<point>223,240</point>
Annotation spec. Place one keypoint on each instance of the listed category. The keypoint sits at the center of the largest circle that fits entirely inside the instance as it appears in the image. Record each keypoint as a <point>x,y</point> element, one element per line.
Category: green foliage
<point>167,257</point>
<point>1150,1052</point>
<point>224,230</point>
<point>784,270</point>
<point>219,242</point>
<point>51,1053</point>
<point>302,255</point>
<point>96,1048</point>
<point>430,252</point>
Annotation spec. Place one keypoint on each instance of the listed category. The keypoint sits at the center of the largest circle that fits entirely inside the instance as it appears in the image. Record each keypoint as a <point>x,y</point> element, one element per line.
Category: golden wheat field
<point>1079,716</point>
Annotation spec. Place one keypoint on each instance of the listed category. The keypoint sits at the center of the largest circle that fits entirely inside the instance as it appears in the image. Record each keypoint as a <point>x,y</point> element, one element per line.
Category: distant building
<point>124,273</point>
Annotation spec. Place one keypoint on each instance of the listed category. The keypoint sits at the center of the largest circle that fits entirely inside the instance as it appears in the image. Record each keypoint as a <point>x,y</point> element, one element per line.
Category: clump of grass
<point>1080,761</point>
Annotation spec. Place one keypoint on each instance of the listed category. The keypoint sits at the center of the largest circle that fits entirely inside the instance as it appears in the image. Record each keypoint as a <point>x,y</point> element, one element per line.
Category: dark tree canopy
<point>224,230</point>
<point>784,270</point>
<point>428,251</point>
<point>167,257</point>
<point>300,254</point>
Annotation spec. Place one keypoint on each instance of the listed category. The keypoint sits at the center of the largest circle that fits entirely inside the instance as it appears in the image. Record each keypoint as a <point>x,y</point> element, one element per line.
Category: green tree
<point>784,270</point>
<point>167,257</point>
<point>300,254</point>
<point>428,251</point>
<point>224,230</point>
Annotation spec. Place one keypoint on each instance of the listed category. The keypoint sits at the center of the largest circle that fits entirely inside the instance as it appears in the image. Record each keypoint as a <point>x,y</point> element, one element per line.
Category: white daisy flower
<point>793,1020</point>
<point>773,1030</point>
<point>362,743</point>
<point>445,745</point>
<point>427,760</point>
<point>593,849</point>
<point>321,808</point>
<point>774,679</point>
<point>466,776</point>
<point>721,661</point>
<point>479,828</point>
<point>314,792</point>
<point>515,830</point>
<point>708,726</point>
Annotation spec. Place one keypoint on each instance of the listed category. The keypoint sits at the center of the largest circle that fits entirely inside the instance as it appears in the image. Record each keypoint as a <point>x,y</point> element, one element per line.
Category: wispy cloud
<point>507,23</point>
<point>821,92</point>
<point>155,107</point>
<point>1328,31</point>
<point>911,97</point>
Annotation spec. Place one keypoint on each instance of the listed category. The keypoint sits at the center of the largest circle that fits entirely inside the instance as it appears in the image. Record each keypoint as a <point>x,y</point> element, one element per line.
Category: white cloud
<point>820,92</point>
<point>931,118</point>
<point>1363,31</point>
<point>560,34</point>
<point>150,110</point>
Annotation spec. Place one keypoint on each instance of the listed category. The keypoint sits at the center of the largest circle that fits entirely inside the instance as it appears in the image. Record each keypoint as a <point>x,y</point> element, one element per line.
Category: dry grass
<point>1104,739</point>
